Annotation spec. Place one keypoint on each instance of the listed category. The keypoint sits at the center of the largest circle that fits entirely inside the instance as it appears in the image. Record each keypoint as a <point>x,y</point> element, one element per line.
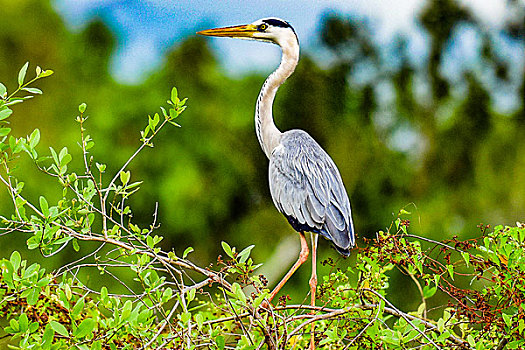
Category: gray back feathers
<point>307,188</point>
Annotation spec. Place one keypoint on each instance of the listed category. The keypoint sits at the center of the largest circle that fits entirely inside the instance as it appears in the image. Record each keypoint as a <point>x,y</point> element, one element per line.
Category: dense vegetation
<point>169,302</point>
<point>462,167</point>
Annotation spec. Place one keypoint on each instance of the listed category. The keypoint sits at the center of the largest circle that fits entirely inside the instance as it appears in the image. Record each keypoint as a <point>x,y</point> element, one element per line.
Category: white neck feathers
<point>267,133</point>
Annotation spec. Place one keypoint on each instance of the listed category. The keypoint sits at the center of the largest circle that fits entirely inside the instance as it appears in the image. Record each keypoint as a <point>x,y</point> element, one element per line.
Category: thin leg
<point>303,255</point>
<point>313,285</point>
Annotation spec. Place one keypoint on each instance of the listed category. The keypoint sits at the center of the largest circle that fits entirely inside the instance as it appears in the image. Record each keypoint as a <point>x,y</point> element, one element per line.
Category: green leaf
<point>23,322</point>
<point>22,74</point>
<point>5,113</point>
<point>34,293</point>
<point>200,320</point>
<point>82,107</point>
<point>4,131</point>
<point>47,338</point>
<point>14,325</point>
<point>227,249</point>
<point>43,282</point>
<point>84,328</point>
<point>54,154</point>
<point>239,294</point>
<point>185,317</point>
<point>259,299</point>
<point>471,340</point>
<point>174,95</point>
<point>507,319</point>
<point>429,291</point>
<point>46,73</point>
<point>245,253</point>
<point>59,328</point>
<point>126,310</point>
<point>450,269</point>
<point>44,206</point>
<point>34,138</point>
<point>66,159</point>
<point>76,247</point>
<point>3,89</point>
<point>124,177</point>
<point>186,252</point>
<point>15,260</point>
<point>104,295</point>
<point>97,345</point>
<point>466,257</point>
<point>220,342</point>
<point>33,90</point>
<point>77,309</point>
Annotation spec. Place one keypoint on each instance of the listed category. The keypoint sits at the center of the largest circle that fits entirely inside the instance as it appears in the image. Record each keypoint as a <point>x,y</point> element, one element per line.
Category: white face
<point>273,30</point>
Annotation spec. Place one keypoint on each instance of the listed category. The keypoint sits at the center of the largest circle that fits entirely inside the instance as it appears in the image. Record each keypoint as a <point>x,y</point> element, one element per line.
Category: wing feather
<point>307,188</point>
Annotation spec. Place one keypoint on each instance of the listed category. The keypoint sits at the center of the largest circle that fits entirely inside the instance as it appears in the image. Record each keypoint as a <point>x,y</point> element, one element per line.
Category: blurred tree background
<point>403,131</point>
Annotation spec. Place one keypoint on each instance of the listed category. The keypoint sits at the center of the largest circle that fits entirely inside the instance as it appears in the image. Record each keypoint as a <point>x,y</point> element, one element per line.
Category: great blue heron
<point>305,184</point>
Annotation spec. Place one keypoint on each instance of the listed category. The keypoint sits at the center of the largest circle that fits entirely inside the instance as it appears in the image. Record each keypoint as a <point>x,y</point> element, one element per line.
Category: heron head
<point>273,30</point>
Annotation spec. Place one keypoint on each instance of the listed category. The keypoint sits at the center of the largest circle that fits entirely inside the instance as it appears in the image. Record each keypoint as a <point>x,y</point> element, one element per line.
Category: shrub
<point>161,300</point>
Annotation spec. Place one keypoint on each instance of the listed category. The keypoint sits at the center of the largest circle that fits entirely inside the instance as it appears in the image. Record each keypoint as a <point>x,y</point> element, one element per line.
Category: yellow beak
<point>242,31</point>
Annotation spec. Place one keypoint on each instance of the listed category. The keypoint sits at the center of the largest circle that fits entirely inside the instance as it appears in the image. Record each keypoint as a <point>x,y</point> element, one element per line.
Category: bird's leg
<point>313,285</point>
<point>303,255</point>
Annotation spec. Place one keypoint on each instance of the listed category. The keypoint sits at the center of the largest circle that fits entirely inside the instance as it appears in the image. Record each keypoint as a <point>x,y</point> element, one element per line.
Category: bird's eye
<point>262,27</point>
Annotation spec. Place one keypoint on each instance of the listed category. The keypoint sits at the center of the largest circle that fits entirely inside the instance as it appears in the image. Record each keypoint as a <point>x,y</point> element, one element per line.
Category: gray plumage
<point>307,188</point>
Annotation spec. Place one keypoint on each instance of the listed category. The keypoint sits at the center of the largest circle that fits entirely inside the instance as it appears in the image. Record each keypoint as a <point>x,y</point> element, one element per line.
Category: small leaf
<point>245,253</point>
<point>43,282</point>
<point>84,328</point>
<point>44,206</point>
<point>200,320</point>
<point>66,159</point>
<point>507,319</point>
<point>33,90</point>
<point>471,340</point>
<point>76,247</point>
<point>4,131</point>
<point>126,310</point>
<point>174,95</point>
<point>5,113</point>
<point>104,294</point>
<point>59,328</point>
<point>32,298</point>
<point>22,74</point>
<point>124,177</point>
<point>97,345</point>
<point>77,309</point>
<point>46,73</point>
<point>3,89</point>
<point>34,138</point>
<point>186,252</point>
<point>237,290</point>
<point>429,291</point>
<point>47,338</point>
<point>82,107</point>
<point>15,260</point>
<point>259,299</point>
<point>450,269</point>
<point>466,257</point>
<point>227,249</point>
<point>23,321</point>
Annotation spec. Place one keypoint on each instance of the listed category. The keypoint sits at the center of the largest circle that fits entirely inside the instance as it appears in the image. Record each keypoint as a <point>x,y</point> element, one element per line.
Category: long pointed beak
<point>242,31</point>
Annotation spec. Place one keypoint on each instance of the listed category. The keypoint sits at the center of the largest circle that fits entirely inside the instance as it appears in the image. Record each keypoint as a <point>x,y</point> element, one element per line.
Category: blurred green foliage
<point>210,178</point>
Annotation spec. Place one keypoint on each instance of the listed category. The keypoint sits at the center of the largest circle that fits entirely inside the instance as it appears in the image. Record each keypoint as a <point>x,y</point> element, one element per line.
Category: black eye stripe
<point>277,23</point>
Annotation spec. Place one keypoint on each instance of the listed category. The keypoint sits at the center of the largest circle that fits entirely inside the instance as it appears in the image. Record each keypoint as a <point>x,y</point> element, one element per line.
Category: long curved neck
<point>267,133</point>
